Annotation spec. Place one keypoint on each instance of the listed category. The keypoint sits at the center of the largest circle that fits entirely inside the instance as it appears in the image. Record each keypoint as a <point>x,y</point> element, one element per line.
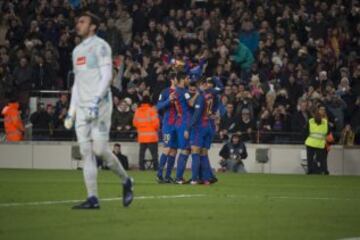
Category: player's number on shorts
<point>166,138</point>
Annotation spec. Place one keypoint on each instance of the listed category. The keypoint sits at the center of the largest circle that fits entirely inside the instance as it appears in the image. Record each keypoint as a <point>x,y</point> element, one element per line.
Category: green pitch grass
<point>251,206</point>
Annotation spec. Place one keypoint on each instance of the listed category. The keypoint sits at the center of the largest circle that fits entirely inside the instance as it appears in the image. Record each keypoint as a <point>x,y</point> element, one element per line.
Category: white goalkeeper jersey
<point>87,58</point>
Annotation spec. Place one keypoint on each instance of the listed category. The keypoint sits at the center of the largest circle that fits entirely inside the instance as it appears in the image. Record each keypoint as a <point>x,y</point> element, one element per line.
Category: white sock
<point>90,169</point>
<point>102,150</point>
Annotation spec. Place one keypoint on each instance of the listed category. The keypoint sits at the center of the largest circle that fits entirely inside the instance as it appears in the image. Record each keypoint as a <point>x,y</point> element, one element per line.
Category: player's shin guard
<point>89,170</point>
<point>195,166</point>
<point>162,163</point>
<point>169,166</point>
<point>181,165</point>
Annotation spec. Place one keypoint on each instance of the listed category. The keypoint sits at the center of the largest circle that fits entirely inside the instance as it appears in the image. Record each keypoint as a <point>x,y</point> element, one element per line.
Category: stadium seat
<point>75,155</point>
<point>262,157</point>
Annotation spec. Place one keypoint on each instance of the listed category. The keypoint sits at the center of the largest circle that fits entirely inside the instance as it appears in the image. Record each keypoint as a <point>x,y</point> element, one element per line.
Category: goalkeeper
<point>91,108</point>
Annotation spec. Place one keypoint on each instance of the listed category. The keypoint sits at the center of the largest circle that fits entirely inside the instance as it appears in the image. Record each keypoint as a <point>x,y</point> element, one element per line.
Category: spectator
<point>114,38</point>
<point>147,124</point>
<point>139,19</point>
<point>124,23</point>
<point>280,125</point>
<point>23,75</point>
<point>61,104</point>
<point>347,136</point>
<point>51,112</point>
<point>294,90</point>
<point>299,121</point>
<point>288,47</point>
<point>5,81</point>
<point>41,123</point>
<point>336,107</point>
<point>122,117</point>
<point>43,75</point>
<point>245,126</point>
<point>131,93</point>
<point>265,127</point>
<point>243,56</point>
<point>249,36</point>
<point>122,158</point>
<point>227,122</point>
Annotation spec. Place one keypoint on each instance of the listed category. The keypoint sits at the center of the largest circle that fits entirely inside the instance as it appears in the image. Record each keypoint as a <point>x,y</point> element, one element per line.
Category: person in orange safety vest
<point>14,128</point>
<point>147,123</point>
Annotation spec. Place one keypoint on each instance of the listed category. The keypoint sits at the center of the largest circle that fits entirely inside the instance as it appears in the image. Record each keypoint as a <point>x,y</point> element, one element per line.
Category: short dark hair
<point>117,145</point>
<point>177,74</point>
<point>172,74</point>
<point>146,100</point>
<point>193,84</point>
<point>95,20</point>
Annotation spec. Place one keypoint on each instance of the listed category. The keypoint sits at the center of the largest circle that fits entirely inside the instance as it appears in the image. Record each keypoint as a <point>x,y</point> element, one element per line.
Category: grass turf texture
<point>251,206</point>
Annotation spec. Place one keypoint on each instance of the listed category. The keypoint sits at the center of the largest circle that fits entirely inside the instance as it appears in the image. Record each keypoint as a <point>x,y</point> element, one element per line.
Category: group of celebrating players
<point>188,109</point>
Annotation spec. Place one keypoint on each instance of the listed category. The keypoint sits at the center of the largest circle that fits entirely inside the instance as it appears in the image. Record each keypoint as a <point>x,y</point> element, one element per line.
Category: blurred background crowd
<point>278,60</point>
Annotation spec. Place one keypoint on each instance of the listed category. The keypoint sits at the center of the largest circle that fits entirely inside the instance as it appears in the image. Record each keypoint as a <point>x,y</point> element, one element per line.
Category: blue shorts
<point>202,137</point>
<point>183,143</point>
<point>169,137</point>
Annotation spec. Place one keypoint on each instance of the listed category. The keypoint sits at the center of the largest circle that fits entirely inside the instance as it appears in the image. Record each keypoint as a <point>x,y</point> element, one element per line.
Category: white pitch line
<point>103,199</point>
<point>313,198</point>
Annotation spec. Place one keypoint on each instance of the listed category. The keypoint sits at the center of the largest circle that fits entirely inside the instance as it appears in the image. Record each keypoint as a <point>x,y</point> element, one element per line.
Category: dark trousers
<point>316,157</point>
<point>153,147</point>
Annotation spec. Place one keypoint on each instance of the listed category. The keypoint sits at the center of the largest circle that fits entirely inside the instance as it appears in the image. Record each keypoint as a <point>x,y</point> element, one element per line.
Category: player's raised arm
<point>219,86</point>
<point>164,100</point>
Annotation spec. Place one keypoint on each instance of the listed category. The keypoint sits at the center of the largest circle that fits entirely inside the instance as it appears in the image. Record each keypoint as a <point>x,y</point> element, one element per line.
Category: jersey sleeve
<point>103,55</point>
<point>163,101</point>
<point>219,86</point>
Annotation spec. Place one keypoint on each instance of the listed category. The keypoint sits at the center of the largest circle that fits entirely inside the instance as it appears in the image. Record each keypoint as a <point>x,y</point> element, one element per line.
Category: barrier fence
<point>255,136</point>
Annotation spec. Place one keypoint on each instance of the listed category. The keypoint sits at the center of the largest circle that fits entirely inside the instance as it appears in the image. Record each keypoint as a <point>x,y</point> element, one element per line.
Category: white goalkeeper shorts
<point>93,130</point>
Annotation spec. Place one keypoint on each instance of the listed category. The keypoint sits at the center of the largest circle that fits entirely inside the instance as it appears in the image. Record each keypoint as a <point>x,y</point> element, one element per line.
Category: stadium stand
<point>277,59</point>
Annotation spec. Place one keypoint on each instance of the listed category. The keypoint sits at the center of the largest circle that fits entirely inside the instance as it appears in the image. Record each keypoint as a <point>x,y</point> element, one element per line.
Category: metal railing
<point>257,137</point>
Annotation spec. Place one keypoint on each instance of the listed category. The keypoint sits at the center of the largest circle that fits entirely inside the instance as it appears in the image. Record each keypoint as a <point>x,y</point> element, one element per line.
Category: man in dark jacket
<point>23,75</point>
<point>299,121</point>
<point>232,155</point>
<point>122,158</point>
<point>227,122</point>
<point>122,120</point>
<point>41,121</point>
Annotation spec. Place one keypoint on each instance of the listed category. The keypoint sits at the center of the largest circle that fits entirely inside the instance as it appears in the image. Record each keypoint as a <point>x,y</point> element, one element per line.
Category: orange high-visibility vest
<point>14,127</point>
<point>147,123</point>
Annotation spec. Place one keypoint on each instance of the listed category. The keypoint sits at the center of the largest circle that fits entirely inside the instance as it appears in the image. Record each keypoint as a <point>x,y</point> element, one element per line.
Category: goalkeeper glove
<point>70,117</point>
<point>69,121</point>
